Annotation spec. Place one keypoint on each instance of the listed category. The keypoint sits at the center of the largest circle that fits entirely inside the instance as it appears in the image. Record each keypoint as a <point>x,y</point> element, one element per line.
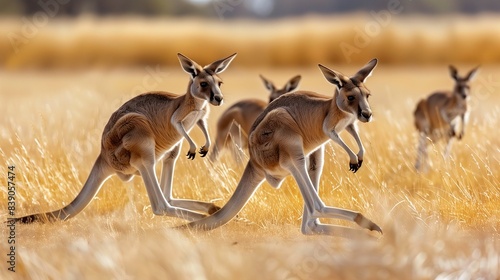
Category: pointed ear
<point>333,77</point>
<point>365,71</point>
<point>293,83</point>
<point>268,84</point>
<point>453,72</point>
<point>220,65</point>
<point>189,65</point>
<point>472,74</point>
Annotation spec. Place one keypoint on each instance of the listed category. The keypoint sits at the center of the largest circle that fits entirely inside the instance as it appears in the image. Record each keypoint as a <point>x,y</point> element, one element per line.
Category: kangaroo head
<point>205,83</point>
<point>290,86</point>
<point>352,94</point>
<point>462,87</point>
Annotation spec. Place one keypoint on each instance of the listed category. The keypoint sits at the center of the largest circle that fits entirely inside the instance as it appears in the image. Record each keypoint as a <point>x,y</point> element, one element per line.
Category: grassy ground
<point>444,224</point>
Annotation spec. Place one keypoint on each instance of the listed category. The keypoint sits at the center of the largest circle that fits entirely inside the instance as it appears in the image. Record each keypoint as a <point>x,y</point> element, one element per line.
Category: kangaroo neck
<point>192,100</point>
<point>334,106</point>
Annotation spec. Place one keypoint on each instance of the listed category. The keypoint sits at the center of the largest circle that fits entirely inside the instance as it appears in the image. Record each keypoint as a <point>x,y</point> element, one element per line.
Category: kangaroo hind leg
<point>315,168</point>
<point>297,167</point>
<point>167,176</point>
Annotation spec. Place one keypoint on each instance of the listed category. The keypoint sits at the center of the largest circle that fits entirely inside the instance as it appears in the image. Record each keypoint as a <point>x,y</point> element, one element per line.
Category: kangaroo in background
<point>235,123</point>
<point>443,115</point>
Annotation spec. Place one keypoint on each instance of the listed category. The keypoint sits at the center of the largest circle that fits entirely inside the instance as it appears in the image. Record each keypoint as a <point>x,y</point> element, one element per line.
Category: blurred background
<point>67,65</point>
<point>264,9</point>
<point>276,33</point>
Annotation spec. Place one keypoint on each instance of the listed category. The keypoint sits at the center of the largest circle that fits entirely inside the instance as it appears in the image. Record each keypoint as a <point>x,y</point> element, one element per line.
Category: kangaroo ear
<point>472,74</point>
<point>453,72</point>
<point>268,84</point>
<point>366,71</point>
<point>333,77</point>
<point>189,65</point>
<point>220,65</point>
<point>293,83</point>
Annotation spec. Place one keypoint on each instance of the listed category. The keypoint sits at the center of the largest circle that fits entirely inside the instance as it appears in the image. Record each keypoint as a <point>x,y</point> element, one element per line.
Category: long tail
<point>99,173</point>
<point>250,181</point>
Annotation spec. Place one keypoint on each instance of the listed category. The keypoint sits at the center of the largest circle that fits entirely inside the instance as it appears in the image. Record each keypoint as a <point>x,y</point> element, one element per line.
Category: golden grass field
<point>108,42</point>
<point>440,225</point>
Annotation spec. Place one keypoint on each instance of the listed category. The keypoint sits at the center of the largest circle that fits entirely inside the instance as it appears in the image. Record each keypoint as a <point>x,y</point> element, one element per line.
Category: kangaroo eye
<point>203,84</point>
<point>220,83</point>
<point>350,97</point>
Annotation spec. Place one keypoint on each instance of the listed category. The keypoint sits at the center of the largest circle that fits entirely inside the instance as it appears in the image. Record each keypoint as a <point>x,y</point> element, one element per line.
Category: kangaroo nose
<point>218,99</point>
<point>366,114</point>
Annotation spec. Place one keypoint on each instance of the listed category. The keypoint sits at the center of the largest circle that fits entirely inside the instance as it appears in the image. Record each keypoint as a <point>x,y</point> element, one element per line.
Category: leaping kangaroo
<point>289,138</point>
<point>145,129</point>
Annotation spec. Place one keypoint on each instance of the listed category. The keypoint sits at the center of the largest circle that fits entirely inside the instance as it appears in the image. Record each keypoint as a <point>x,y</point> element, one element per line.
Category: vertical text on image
<point>11,222</point>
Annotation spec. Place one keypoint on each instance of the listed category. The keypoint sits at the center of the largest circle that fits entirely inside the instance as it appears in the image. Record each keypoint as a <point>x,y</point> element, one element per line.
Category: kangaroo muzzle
<point>216,99</point>
<point>365,115</point>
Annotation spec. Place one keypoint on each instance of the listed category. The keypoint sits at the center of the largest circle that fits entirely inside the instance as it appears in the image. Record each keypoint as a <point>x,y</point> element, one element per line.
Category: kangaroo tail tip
<point>30,219</point>
<point>25,220</point>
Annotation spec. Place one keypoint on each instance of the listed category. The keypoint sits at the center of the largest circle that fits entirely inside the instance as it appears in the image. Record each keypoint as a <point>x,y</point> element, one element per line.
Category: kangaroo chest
<point>192,118</point>
<point>168,136</point>
<point>458,108</point>
<point>344,122</point>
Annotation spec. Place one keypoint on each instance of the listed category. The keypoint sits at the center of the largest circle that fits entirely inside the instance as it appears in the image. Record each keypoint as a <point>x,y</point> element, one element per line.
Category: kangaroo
<point>145,129</point>
<point>443,115</point>
<point>236,121</point>
<point>289,138</point>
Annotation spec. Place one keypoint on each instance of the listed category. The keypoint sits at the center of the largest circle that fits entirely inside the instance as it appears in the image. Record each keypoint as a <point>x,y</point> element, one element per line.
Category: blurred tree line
<point>239,8</point>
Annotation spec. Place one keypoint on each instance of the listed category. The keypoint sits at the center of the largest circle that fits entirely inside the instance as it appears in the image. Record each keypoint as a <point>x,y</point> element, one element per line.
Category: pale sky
<point>259,7</point>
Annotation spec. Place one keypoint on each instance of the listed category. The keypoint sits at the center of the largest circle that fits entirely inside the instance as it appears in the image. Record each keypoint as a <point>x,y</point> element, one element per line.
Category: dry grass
<point>444,224</point>
<point>113,42</point>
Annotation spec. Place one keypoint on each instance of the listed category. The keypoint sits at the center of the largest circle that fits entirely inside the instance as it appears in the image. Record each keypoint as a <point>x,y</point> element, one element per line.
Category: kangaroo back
<point>420,116</point>
<point>238,119</point>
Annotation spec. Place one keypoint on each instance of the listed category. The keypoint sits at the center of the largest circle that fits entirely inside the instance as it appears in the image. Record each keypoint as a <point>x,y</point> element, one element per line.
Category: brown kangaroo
<point>145,129</point>
<point>443,115</point>
<point>289,138</point>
